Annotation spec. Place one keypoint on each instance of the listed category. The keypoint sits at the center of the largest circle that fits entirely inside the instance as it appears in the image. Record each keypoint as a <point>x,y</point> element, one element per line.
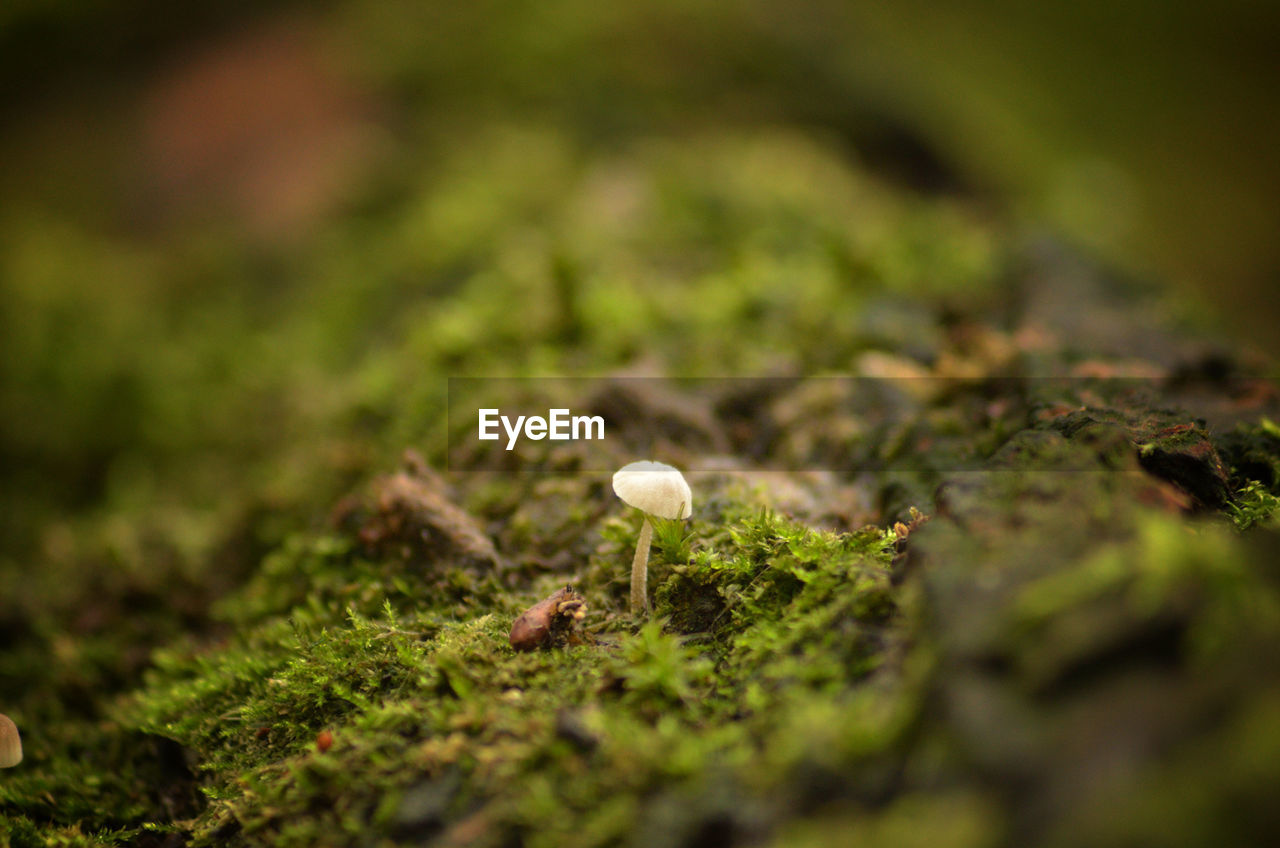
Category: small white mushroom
<point>656,489</point>
<point>10,743</point>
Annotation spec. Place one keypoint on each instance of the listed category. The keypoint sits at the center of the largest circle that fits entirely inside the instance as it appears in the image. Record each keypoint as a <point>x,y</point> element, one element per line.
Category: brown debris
<point>414,518</point>
<point>551,621</point>
<point>902,531</point>
<point>902,534</point>
<point>10,743</point>
<point>1163,495</point>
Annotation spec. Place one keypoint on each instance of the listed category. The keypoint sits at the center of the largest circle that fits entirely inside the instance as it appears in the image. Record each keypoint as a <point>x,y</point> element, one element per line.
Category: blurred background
<point>242,244</point>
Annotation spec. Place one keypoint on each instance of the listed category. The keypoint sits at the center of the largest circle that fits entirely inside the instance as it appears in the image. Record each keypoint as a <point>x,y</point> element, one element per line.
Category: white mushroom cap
<point>10,743</point>
<point>655,488</point>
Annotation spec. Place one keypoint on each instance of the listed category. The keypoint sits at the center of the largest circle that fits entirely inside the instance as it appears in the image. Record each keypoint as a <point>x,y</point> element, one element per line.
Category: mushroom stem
<point>640,570</point>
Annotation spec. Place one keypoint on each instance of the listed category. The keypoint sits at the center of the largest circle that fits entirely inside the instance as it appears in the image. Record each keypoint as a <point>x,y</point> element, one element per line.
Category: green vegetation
<point>1013,585</point>
<point>438,727</point>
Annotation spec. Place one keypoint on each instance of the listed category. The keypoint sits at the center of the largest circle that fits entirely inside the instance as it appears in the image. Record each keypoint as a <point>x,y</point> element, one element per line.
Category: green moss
<point>1254,505</point>
<point>1175,805</point>
<point>1165,571</point>
<point>435,721</point>
<point>193,652</point>
<point>1253,452</point>
<point>955,820</point>
<point>760,563</point>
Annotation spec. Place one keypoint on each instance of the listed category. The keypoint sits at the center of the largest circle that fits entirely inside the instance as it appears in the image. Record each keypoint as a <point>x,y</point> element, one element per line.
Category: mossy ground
<point>218,629</point>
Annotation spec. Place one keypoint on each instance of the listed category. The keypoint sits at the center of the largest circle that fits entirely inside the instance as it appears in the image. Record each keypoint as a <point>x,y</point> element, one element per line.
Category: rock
<point>413,518</point>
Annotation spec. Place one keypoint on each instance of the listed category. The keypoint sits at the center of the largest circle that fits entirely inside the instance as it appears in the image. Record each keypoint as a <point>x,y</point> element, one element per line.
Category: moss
<point>1174,805</point>
<point>1189,586</point>
<point>1254,505</point>
<point>206,639</point>
<point>957,820</point>
<point>436,722</point>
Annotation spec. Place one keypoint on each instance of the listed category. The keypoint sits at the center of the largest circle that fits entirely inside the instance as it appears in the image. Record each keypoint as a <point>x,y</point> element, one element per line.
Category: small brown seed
<point>539,625</point>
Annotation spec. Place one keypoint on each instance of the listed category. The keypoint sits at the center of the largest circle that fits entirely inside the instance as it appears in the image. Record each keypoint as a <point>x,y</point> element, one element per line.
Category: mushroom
<point>10,743</point>
<point>657,490</point>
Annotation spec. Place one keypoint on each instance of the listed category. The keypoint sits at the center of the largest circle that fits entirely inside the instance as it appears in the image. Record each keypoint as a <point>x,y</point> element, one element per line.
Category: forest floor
<point>983,550</point>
